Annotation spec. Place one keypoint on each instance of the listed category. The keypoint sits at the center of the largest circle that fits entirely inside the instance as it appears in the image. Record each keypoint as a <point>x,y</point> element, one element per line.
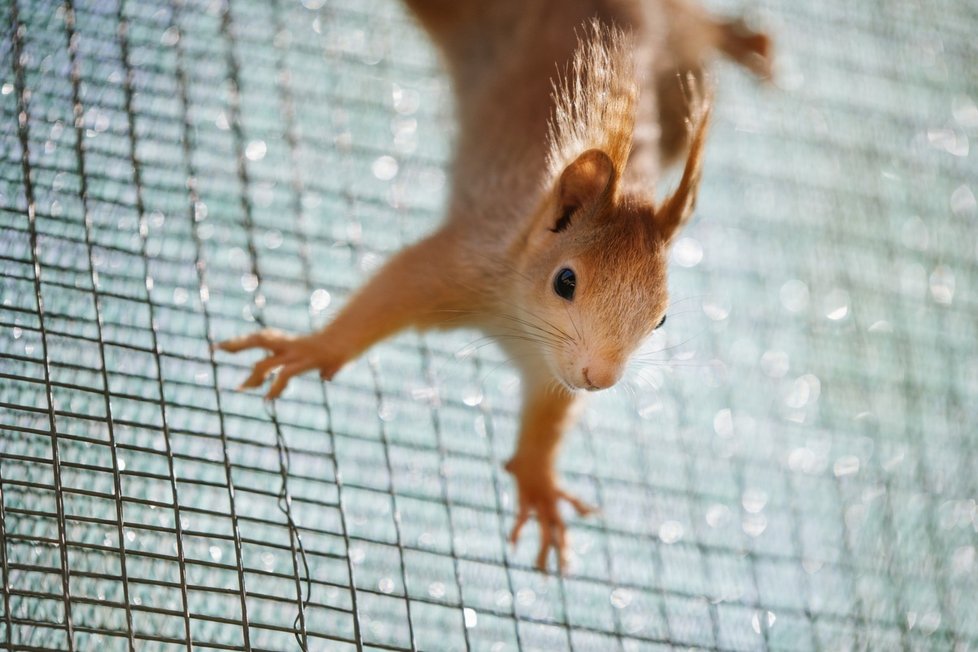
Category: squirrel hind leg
<point>695,32</point>
<point>753,50</point>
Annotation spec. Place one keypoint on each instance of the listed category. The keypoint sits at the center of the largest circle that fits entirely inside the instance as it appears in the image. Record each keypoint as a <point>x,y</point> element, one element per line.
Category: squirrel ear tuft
<point>590,177</point>
<point>675,211</point>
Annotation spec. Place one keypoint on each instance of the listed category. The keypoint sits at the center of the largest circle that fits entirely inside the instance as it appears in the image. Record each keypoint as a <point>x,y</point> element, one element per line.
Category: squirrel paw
<point>539,494</point>
<point>289,354</point>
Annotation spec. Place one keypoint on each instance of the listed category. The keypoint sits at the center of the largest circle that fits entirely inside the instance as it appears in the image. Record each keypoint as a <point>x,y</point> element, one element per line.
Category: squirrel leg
<point>440,17</point>
<point>751,49</point>
<point>547,413</point>
<point>413,289</point>
<point>694,32</point>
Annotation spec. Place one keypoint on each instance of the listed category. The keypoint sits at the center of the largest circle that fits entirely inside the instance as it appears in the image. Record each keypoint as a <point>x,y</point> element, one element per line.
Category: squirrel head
<point>592,274</point>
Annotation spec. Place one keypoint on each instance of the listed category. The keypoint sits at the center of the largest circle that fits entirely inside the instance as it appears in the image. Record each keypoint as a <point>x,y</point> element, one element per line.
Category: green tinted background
<point>790,466</point>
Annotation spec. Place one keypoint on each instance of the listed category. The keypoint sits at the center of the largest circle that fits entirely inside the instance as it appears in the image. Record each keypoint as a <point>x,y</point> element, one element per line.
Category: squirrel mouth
<point>565,384</point>
<point>570,388</point>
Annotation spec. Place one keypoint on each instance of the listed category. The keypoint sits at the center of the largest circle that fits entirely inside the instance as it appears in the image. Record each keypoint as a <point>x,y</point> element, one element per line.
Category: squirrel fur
<point>554,242</point>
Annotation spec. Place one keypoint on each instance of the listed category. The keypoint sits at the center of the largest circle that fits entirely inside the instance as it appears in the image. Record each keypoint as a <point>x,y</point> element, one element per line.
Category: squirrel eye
<point>564,283</point>
<point>661,322</point>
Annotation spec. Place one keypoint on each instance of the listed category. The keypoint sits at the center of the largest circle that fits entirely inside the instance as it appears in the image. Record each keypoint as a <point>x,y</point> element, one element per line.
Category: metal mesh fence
<point>792,467</point>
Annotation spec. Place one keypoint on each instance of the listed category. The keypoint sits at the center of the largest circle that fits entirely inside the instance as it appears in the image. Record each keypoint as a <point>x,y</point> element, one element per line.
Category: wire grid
<point>796,470</point>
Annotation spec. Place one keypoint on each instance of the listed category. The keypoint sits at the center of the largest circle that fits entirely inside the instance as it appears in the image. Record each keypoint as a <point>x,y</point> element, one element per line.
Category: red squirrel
<point>553,243</point>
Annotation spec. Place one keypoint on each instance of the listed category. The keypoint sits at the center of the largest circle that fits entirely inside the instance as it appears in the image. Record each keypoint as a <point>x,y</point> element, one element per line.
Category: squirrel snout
<point>598,376</point>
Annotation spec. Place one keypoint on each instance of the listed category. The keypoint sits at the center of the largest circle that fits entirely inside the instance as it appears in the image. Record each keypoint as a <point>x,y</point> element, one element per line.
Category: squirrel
<point>553,243</point>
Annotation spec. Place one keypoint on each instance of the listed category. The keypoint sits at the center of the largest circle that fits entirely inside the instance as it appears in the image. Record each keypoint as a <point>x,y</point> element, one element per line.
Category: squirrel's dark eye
<point>661,322</point>
<point>564,284</point>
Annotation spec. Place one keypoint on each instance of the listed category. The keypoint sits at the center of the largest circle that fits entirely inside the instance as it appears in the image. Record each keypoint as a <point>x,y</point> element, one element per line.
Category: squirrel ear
<point>590,177</point>
<point>675,211</point>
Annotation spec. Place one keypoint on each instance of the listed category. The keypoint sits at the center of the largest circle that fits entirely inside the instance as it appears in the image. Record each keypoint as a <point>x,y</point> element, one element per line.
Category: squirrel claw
<point>539,496</point>
<point>521,519</point>
<point>288,356</point>
<point>582,508</point>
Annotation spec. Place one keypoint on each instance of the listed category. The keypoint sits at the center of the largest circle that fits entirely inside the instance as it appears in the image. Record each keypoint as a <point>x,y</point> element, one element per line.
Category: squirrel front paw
<point>289,354</point>
<point>540,495</point>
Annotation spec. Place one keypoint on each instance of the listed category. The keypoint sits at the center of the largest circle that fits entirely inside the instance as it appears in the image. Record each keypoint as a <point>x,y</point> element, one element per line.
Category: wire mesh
<point>794,468</point>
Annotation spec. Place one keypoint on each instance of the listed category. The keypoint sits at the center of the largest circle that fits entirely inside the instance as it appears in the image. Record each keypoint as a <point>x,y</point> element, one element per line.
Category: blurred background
<point>790,466</point>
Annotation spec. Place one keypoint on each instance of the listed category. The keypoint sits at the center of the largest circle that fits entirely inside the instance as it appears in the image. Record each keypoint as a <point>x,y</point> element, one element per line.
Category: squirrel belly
<point>554,243</point>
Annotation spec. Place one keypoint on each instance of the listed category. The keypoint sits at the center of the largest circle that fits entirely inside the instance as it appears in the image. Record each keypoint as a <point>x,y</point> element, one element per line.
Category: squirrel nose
<point>599,376</point>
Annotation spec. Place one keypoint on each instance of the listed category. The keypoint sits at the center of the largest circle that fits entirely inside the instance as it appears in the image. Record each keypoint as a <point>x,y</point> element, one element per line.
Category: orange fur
<point>594,101</point>
<point>563,129</point>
